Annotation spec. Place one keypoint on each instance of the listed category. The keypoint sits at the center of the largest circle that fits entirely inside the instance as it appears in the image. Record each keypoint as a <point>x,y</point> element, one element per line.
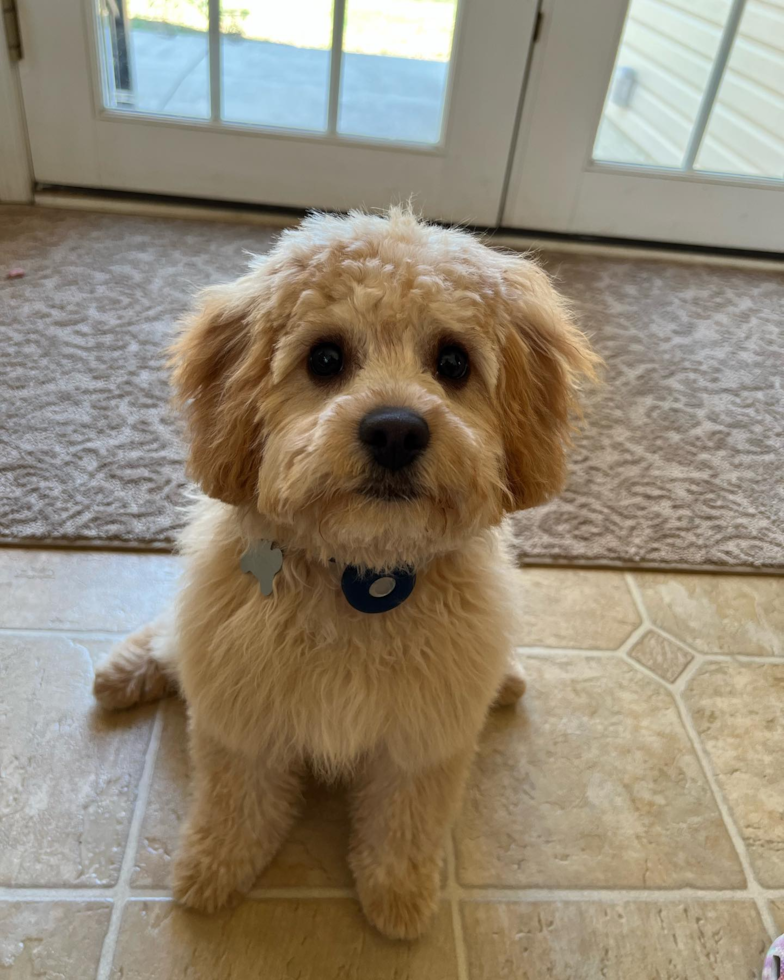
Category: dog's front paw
<point>403,909</point>
<point>131,674</point>
<point>512,688</point>
<point>203,878</point>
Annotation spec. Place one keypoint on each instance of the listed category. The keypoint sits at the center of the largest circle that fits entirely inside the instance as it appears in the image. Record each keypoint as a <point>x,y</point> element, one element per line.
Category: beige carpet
<point>680,464</point>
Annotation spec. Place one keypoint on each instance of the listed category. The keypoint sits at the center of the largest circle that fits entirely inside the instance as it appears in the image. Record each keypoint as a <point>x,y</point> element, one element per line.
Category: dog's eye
<point>325,360</point>
<point>452,363</point>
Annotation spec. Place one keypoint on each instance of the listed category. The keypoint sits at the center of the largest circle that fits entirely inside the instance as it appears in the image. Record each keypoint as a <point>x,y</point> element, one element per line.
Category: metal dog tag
<point>377,592</point>
<point>263,562</point>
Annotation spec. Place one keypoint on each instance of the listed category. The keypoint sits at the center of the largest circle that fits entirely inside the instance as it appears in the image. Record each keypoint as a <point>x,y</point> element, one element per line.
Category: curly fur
<point>395,701</point>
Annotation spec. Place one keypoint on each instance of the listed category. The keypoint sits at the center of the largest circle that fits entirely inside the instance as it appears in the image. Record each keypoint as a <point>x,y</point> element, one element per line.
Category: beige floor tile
<point>661,655</point>
<point>614,941</point>
<point>314,854</point>
<point>562,607</point>
<point>777,908</point>
<point>69,771</point>
<point>310,939</point>
<point>50,941</point>
<point>83,590</point>
<point>737,710</point>
<point>591,782</point>
<point>718,613</point>
<point>167,801</point>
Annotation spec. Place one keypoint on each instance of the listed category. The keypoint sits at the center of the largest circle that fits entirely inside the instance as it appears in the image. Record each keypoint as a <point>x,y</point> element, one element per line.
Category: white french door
<point>655,119</point>
<point>286,102</point>
<point>647,119</point>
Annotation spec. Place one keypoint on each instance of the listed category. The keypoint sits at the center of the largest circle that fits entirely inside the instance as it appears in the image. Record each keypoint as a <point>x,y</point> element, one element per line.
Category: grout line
<point>741,658</point>
<point>676,691</point>
<point>676,640</point>
<point>754,888</point>
<point>631,641</point>
<point>541,651</point>
<point>452,891</point>
<point>683,679</point>
<point>65,631</point>
<point>645,627</point>
<point>558,651</point>
<point>292,891</point>
<point>699,654</point>
<point>643,669</point>
<point>624,651</point>
<point>733,657</point>
<point>637,598</point>
<point>603,895</point>
<point>464,893</point>
<point>122,889</point>
<point>65,894</point>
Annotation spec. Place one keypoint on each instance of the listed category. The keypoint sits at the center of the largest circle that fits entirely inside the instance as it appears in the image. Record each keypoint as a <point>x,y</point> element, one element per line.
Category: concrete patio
<point>278,85</point>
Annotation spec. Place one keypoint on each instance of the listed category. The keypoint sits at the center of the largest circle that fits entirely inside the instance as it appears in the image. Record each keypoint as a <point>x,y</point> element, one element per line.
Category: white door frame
<point>75,141</point>
<point>555,185</point>
<point>16,177</point>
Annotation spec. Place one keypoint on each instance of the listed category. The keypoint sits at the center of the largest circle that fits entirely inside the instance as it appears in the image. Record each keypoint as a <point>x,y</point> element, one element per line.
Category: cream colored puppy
<point>364,406</point>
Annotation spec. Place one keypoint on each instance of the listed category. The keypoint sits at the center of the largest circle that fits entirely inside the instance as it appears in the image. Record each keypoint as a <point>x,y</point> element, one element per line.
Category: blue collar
<point>377,592</point>
<point>367,592</point>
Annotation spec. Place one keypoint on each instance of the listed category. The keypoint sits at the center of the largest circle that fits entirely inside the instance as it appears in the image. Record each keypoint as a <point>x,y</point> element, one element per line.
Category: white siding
<point>671,44</point>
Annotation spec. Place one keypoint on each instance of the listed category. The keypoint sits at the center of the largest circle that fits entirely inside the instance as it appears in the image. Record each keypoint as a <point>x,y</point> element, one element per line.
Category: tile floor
<point>625,819</point>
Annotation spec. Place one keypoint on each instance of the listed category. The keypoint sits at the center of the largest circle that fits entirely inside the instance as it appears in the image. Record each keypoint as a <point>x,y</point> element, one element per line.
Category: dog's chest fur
<point>303,674</point>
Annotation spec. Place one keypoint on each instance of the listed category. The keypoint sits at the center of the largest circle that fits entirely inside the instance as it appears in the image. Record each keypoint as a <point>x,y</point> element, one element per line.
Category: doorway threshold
<point>515,239</point>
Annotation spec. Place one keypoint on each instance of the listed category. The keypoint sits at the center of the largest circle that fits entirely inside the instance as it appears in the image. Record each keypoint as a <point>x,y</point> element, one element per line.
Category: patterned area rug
<point>680,463</point>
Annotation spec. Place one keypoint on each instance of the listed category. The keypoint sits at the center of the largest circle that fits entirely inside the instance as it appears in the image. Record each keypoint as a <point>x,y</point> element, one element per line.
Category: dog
<point>364,407</point>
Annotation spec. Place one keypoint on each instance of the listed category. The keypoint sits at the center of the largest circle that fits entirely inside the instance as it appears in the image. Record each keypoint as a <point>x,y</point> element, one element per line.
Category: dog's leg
<point>400,825</point>
<point>240,814</point>
<point>512,687</point>
<point>140,668</point>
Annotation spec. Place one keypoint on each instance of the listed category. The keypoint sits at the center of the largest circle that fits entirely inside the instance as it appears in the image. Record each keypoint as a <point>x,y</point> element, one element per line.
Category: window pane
<point>661,71</point>
<point>395,65</point>
<point>157,56</point>
<point>745,132</point>
<point>275,62</point>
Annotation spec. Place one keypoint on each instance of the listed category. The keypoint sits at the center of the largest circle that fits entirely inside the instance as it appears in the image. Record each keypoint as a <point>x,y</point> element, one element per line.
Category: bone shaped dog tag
<point>263,562</point>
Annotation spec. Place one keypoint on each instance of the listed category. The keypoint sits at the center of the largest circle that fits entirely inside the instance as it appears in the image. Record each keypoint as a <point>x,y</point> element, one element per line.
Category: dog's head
<point>379,389</point>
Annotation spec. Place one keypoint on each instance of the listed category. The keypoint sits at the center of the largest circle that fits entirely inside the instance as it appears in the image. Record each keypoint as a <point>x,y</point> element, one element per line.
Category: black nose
<point>394,436</point>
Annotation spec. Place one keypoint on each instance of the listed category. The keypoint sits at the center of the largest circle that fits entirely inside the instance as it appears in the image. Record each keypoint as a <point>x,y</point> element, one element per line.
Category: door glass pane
<point>275,62</point>
<point>698,85</point>
<point>395,67</point>
<point>662,69</point>
<point>745,131</point>
<point>156,56</point>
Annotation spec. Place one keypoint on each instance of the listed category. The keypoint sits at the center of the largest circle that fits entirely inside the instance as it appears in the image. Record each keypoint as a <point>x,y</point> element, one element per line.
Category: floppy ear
<point>545,357</point>
<point>218,364</point>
